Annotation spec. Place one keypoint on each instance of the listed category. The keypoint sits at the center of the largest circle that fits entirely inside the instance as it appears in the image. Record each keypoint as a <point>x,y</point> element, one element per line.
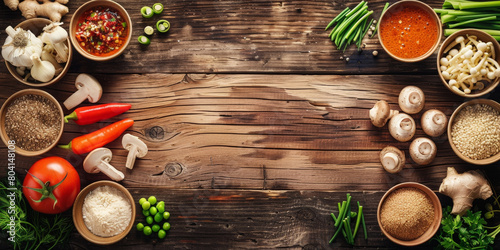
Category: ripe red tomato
<point>57,180</point>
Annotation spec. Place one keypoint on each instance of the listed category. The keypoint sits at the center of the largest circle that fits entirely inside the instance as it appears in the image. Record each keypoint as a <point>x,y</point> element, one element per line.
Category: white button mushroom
<point>136,148</point>
<point>434,122</point>
<point>411,99</point>
<point>392,159</point>
<point>98,161</point>
<point>88,88</point>
<point>423,151</point>
<point>402,127</point>
<point>381,113</point>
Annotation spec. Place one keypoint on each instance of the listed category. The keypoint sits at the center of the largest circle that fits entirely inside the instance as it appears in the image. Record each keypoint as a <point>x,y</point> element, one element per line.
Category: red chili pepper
<point>91,114</point>
<point>86,143</point>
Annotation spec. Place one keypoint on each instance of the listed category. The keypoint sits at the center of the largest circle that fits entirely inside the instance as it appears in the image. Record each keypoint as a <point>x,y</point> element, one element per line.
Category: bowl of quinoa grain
<point>32,121</point>
<point>409,214</point>
<point>474,131</point>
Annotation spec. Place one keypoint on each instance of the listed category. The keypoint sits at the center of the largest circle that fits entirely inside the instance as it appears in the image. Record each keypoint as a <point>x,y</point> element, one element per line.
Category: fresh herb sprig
<point>33,229</point>
<point>463,232</point>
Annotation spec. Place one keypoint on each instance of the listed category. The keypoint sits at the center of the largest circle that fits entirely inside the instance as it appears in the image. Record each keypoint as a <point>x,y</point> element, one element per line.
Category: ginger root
<point>464,188</point>
<point>32,8</point>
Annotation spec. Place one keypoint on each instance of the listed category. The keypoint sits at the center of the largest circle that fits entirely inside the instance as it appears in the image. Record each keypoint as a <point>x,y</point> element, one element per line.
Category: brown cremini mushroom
<point>392,159</point>
<point>422,150</point>
<point>381,113</point>
<point>402,127</point>
<point>411,99</point>
<point>434,122</point>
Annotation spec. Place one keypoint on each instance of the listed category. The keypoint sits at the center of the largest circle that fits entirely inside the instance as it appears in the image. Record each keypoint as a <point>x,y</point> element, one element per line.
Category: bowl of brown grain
<point>409,214</point>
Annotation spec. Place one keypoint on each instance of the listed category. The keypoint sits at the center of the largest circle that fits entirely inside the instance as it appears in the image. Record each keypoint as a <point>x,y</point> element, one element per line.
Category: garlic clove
<point>42,71</point>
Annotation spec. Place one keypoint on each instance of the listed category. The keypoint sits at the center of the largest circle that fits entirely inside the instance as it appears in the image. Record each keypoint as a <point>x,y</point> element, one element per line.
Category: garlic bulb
<point>55,35</point>
<point>47,55</point>
<point>42,71</point>
<point>19,46</point>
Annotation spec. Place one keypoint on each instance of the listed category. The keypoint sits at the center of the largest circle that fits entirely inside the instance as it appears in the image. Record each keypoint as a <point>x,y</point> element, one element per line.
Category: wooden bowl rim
<point>438,214</point>
<point>464,32</point>
<point>78,216</point>
<point>428,9</point>
<point>86,6</point>
<point>39,21</point>
<point>3,111</point>
<point>488,102</point>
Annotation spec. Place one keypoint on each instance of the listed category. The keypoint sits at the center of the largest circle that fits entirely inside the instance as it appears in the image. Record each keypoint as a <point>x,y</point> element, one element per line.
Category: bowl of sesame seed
<point>32,120</point>
<point>409,214</point>
<point>474,131</point>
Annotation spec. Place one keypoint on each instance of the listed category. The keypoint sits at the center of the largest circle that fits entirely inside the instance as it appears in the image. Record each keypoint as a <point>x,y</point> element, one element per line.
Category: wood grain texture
<point>300,132</point>
<point>241,36</point>
<point>233,219</point>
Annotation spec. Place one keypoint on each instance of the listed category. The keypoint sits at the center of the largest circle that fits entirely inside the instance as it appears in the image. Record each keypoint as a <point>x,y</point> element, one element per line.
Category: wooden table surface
<point>255,126</point>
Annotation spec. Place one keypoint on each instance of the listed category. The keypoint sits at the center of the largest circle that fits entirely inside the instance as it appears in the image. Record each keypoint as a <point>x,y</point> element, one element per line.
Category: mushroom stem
<point>110,171</point>
<point>390,160</point>
<point>132,155</point>
<point>406,124</point>
<point>425,148</point>
<point>76,98</point>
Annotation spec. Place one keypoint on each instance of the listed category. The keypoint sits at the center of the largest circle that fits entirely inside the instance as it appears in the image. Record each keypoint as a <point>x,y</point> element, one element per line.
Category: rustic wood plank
<point>236,219</point>
<point>297,132</point>
<point>241,36</point>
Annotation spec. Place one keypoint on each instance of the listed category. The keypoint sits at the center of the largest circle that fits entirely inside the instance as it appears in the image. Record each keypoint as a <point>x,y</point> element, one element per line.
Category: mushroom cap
<point>411,99</point>
<point>381,113</point>
<point>392,159</point>
<point>90,85</point>
<point>402,127</point>
<point>434,122</point>
<point>128,140</point>
<point>95,158</point>
<point>422,150</point>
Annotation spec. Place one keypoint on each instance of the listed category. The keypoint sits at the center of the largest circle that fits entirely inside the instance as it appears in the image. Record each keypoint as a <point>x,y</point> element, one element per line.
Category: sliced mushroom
<point>423,151</point>
<point>135,147</point>
<point>392,159</point>
<point>381,113</point>
<point>411,99</point>
<point>402,127</point>
<point>88,88</point>
<point>98,161</point>
<point>434,122</point>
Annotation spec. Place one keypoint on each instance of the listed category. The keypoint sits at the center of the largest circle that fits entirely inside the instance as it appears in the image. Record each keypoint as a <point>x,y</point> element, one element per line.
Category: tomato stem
<point>46,190</point>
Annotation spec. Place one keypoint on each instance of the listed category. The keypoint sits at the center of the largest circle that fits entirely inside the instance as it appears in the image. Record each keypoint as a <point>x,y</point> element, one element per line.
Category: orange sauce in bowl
<point>408,32</point>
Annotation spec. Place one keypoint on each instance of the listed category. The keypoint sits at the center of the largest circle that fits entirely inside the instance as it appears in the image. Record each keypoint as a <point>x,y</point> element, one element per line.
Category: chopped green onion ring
<point>157,8</point>
<point>144,40</point>
<point>147,12</point>
<point>162,26</point>
<point>149,30</point>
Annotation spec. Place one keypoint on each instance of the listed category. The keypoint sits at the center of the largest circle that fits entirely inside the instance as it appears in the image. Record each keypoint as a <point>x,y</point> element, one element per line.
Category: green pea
<point>145,212</point>
<point>153,211</point>
<point>146,205</point>
<point>155,228</point>
<point>147,230</point>
<point>152,200</point>
<point>158,217</point>
<point>149,220</point>
<point>166,226</point>
<point>140,227</point>
<point>160,207</point>
<point>142,200</point>
<point>166,215</point>
<point>162,234</point>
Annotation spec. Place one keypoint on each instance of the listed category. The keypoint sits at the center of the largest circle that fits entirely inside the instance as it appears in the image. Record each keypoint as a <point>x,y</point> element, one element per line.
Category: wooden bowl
<point>452,120</point>
<point>3,112</point>
<point>483,36</point>
<point>398,6</point>
<point>78,214</point>
<point>36,26</point>
<point>74,24</point>
<point>438,214</point>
